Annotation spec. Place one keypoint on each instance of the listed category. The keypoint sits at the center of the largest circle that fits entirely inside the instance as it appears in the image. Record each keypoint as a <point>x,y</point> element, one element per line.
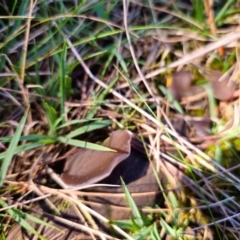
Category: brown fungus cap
<point>90,166</point>
<point>180,84</point>
<point>222,87</point>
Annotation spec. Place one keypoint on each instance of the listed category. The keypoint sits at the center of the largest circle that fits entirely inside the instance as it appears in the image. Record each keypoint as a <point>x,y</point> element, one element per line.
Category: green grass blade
<point>84,144</point>
<point>143,233</point>
<point>212,101</point>
<point>11,149</point>
<point>171,99</point>
<point>198,10</point>
<point>169,229</point>
<point>20,220</point>
<point>223,11</point>
<point>88,128</point>
<point>24,147</point>
<point>76,121</point>
<point>62,90</point>
<point>34,137</point>
<point>136,213</point>
<point>154,233</point>
<point>91,113</point>
<point>51,115</point>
